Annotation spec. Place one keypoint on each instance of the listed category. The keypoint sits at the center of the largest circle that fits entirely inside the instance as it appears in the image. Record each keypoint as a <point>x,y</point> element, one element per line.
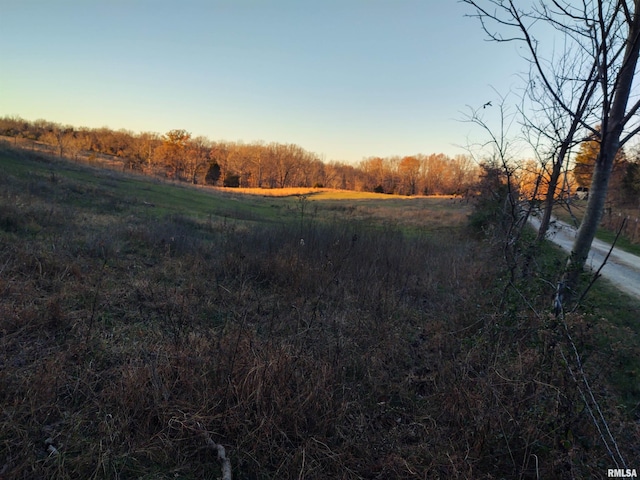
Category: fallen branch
<point>196,426</point>
<point>222,456</point>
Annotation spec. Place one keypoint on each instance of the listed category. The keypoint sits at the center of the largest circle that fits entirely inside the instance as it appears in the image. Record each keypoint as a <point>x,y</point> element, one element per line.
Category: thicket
<point>316,348</point>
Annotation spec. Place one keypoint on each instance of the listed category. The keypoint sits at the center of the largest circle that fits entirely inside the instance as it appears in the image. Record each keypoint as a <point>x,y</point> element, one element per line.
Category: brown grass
<point>273,192</point>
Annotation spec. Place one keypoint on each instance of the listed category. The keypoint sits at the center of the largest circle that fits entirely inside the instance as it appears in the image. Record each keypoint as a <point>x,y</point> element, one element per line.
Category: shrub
<point>231,180</point>
<point>491,212</point>
<point>213,174</point>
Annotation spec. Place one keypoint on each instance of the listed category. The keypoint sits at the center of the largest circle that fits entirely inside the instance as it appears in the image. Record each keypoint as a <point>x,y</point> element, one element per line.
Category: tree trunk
<point>549,200</point>
<point>592,216</point>
<point>613,124</point>
<point>555,175</point>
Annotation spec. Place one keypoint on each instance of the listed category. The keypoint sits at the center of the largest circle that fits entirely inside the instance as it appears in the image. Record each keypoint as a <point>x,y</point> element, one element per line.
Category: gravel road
<point>622,268</point>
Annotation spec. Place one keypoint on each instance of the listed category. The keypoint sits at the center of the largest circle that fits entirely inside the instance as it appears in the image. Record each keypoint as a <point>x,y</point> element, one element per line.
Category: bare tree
<point>498,158</point>
<point>144,146</point>
<point>60,137</point>
<point>198,149</point>
<point>553,120</point>
<point>409,170</point>
<point>607,35</point>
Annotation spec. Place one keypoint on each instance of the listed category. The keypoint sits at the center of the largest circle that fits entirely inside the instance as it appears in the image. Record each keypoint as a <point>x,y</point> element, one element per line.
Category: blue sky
<point>346,79</point>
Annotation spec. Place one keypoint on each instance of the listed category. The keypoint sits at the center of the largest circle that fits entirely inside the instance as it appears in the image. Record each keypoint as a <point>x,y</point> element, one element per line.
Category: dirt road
<point>622,268</point>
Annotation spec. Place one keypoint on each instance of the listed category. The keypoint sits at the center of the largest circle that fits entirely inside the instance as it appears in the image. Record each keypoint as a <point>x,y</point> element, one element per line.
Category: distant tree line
<point>179,156</point>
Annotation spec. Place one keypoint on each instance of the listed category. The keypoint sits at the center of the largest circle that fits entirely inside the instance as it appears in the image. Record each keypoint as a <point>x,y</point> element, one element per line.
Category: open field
<point>117,192</point>
<point>427,213</point>
<point>156,198</point>
<point>313,336</point>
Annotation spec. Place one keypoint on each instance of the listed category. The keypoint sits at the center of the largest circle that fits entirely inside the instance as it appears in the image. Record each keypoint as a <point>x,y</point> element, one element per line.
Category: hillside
<point>315,336</point>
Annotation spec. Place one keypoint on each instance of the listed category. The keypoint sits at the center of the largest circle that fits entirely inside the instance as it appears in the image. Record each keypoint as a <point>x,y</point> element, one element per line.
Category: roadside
<point>622,268</point>
<point>610,224</point>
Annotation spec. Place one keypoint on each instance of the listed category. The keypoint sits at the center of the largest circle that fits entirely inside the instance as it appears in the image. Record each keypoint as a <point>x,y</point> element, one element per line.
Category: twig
<point>304,455</point>
<point>537,465</point>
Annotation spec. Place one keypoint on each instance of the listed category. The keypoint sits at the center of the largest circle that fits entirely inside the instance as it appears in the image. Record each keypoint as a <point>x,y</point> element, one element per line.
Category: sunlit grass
<point>417,212</point>
<point>271,192</point>
<point>352,195</point>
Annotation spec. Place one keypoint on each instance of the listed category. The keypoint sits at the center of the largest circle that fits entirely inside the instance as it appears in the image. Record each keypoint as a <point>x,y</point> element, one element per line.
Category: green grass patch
<point>606,325</point>
<point>98,189</point>
<point>622,243</point>
<point>613,327</point>
<point>573,216</point>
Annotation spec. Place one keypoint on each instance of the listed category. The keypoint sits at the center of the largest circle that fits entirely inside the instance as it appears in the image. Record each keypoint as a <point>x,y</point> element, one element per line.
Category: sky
<point>345,79</point>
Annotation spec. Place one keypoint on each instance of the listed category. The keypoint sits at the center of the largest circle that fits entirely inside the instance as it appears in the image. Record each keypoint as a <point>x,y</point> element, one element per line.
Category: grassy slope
<point>157,198</point>
<point>373,350</point>
<point>135,193</point>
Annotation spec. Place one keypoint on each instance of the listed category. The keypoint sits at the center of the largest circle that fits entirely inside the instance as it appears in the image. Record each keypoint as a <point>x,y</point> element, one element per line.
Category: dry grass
<point>325,193</point>
<point>272,192</point>
<point>359,353</point>
<point>417,214</point>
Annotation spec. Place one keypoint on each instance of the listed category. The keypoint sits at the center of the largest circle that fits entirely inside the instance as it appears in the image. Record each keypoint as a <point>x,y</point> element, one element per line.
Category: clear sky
<point>346,79</point>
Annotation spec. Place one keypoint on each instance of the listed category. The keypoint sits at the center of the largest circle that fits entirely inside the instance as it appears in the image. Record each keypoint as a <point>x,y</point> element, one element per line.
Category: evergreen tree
<point>585,161</point>
<point>213,174</point>
<point>631,181</point>
<point>231,180</point>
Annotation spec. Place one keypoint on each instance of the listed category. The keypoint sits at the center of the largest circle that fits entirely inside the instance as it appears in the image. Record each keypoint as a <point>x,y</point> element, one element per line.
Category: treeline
<point>198,160</point>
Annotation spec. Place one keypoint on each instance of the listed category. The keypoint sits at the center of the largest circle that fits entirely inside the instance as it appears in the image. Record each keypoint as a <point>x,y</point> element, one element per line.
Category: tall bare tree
<point>197,155</point>
<point>607,32</point>
<point>553,112</point>
<point>61,137</point>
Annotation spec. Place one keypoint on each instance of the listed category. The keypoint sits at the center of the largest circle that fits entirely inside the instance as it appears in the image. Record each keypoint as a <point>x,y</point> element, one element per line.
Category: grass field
<point>154,198</point>
<point>317,335</point>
